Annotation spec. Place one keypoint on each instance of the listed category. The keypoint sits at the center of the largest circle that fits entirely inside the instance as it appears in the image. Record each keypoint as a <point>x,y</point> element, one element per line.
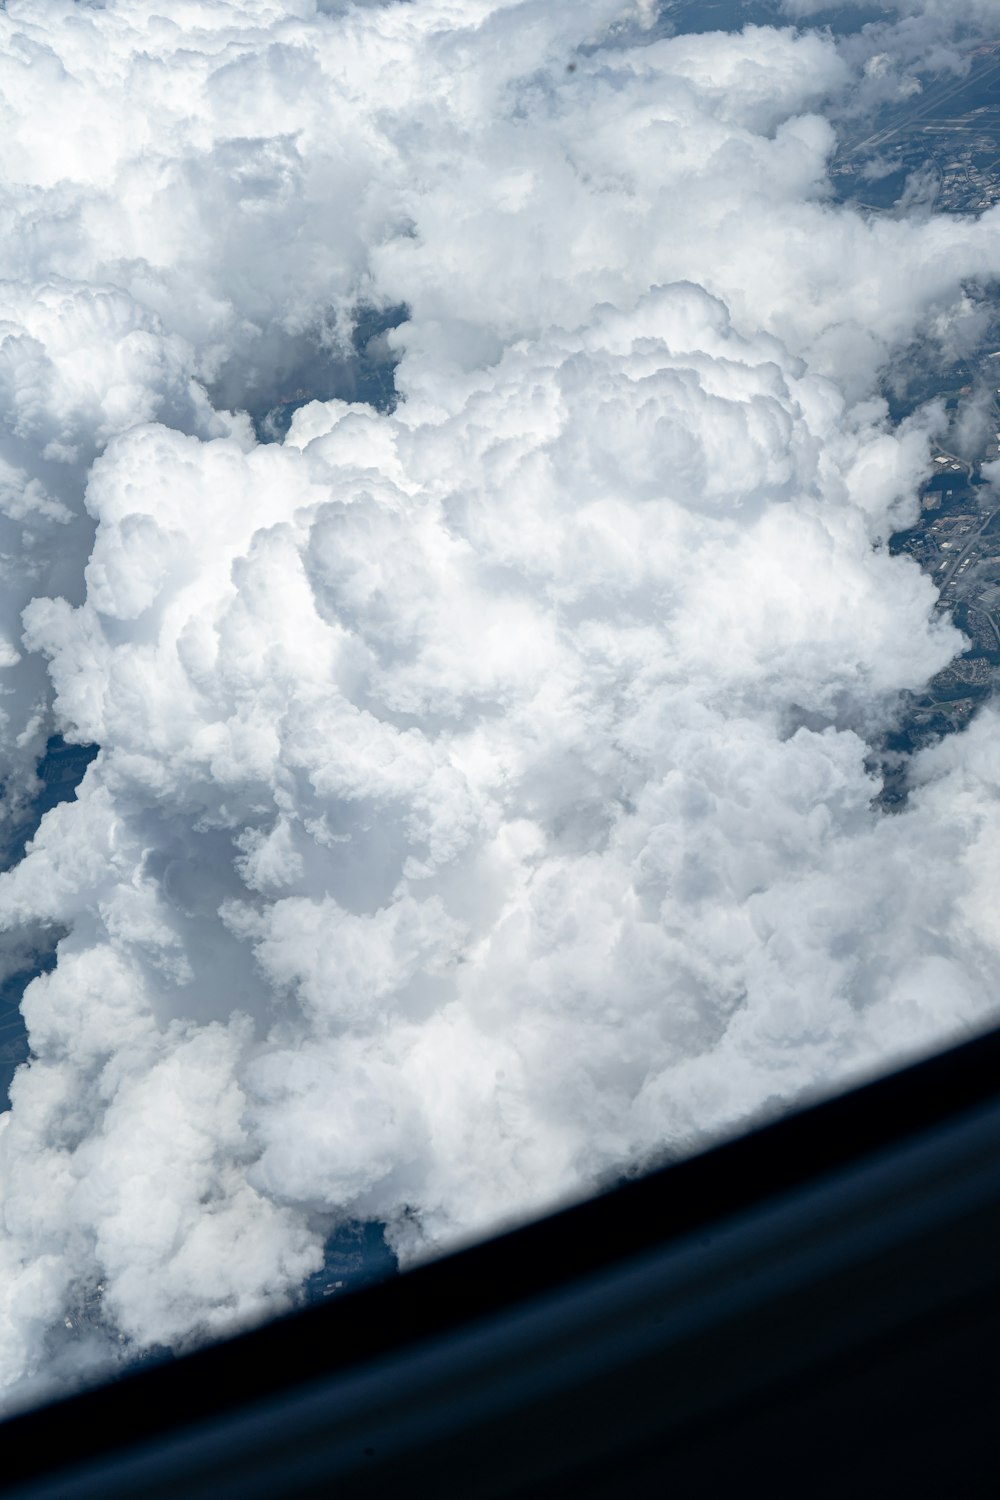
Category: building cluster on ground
<point>957,542</point>
<point>939,148</point>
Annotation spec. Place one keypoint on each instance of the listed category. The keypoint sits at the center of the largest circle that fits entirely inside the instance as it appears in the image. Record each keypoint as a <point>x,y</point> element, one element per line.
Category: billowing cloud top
<point>484,806</point>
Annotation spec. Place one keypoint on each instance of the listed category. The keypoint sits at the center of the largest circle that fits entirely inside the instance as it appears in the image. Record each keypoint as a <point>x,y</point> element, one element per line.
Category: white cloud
<point>482,807</point>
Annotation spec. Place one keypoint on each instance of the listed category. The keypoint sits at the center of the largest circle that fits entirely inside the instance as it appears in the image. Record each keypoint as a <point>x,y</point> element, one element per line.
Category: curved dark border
<point>942,1110</point>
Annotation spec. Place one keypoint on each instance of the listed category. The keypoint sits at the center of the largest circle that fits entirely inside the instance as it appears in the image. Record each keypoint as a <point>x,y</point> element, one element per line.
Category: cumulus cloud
<point>483,807</point>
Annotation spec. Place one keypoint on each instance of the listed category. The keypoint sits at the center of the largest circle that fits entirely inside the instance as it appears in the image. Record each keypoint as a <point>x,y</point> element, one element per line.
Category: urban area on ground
<point>940,151</point>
